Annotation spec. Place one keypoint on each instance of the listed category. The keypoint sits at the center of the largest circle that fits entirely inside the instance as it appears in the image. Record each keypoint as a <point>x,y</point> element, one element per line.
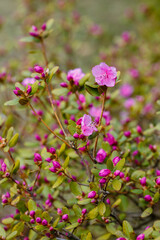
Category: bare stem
<point>40,119</point>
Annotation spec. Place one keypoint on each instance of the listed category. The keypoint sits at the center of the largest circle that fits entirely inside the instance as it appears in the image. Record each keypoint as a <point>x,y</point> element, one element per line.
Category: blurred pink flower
<point>87,126</point>
<point>75,75</point>
<point>126,90</point>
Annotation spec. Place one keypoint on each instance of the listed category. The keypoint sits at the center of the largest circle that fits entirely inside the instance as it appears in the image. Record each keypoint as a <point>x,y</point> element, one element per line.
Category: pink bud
<point>32,213</point>
<point>108,201</point>
<point>127,134</point>
<point>38,220</point>
<point>148,198</point>
<point>101,155</point>
<point>38,69</point>
<point>65,217</point>
<point>139,129</point>
<point>56,164</point>
<point>64,84</point>
<point>104,172</point>
<point>79,220</point>
<point>29,89</point>
<point>158,181</point>
<point>143,181</point>
<point>79,121</point>
<point>52,150</point>
<point>43,27</point>
<point>92,194</point>
<point>102,181</point>
<point>140,237</point>
<point>37,157</point>
<point>121,175</point>
<point>76,135</point>
<point>84,211</point>
<point>44,222</point>
<point>116,173</point>
<point>59,211</point>
<point>158,172</point>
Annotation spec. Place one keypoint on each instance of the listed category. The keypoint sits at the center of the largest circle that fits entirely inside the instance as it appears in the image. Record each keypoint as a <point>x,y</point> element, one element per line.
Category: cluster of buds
<point>3,166</point>
<point>80,220</point>
<point>18,92</point>
<point>49,201</point>
<point>42,74</point>
<point>56,167</point>
<point>5,198</point>
<point>37,158</point>
<point>38,32</point>
<point>38,220</point>
<point>93,195</point>
<point>64,217</point>
<point>53,154</point>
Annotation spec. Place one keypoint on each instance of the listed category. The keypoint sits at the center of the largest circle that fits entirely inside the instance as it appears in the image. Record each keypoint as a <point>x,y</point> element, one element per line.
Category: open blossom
<point>75,75</point>
<point>27,81</point>
<point>105,75</point>
<point>87,126</point>
<point>96,112</point>
<point>126,90</point>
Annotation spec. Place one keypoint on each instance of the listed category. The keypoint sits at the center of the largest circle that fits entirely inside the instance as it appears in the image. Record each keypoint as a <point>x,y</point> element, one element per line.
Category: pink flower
<point>27,81</point>
<point>140,237</point>
<point>87,126</point>
<point>101,155</point>
<point>92,194</point>
<point>110,139</point>
<point>126,36</point>
<point>126,90</point>
<point>129,103</point>
<point>104,172</point>
<point>75,75</point>
<point>105,75</point>
<point>143,181</point>
<point>134,73</point>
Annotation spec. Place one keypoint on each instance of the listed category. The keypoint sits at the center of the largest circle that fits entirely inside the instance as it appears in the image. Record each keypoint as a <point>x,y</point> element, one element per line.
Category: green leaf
<point>104,237</point>
<point>93,213</point>
<point>2,232</point>
<point>46,216</point>
<point>32,205</point>
<point>156,225</point>
<point>137,174</point>
<point>62,149</point>
<point>84,79</point>
<point>148,232</point>
<point>60,91</point>
<point>12,102</point>
<point>156,197</point>
<point>92,89</point>
<point>116,184</point>
<point>16,167</point>
<point>66,162</point>
<point>120,164</point>
<point>34,87</point>
<point>84,201</point>
<point>27,39</point>
<point>72,127</point>
<point>147,212</point>
<point>74,225</point>
<point>101,208</point>
<point>106,147</point>
<point>116,203</point>
<point>52,72</point>
<point>77,210</point>
<point>10,133</point>
<point>59,181</point>
<point>127,228</point>
<point>11,235</point>
<point>89,236</point>
<point>13,140</point>
<point>75,188</point>
<point>40,228</point>
<point>16,200</point>
<point>49,24</point>
<point>7,221</point>
<point>18,227</point>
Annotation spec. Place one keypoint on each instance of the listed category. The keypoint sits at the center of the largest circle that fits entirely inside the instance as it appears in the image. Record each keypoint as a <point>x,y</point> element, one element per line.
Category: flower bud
<point>108,201</point>
<point>32,221</point>
<point>127,134</point>
<point>38,220</point>
<point>38,69</point>
<point>79,220</point>
<point>148,198</point>
<point>158,181</point>
<point>59,211</point>
<point>48,160</point>
<point>84,211</point>
<point>102,181</point>
<point>37,157</point>
<point>140,237</point>
<point>52,150</point>
<point>29,89</point>
<point>101,155</point>
<point>65,217</point>
<point>32,213</point>
<point>116,173</point>
<point>44,222</point>
<point>43,27</point>
<point>92,194</point>
<point>64,84</point>
<point>143,181</point>
<point>76,135</point>
<point>139,129</point>
<point>104,172</point>
<point>56,165</point>
<point>121,175</point>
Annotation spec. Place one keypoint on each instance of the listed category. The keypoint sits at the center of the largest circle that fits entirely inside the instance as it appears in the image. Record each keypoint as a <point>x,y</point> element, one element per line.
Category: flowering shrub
<point>82,159</point>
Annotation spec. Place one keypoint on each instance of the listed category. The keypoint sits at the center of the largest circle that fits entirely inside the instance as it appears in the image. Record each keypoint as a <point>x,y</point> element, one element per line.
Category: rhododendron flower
<point>134,73</point>
<point>75,75</point>
<point>126,90</point>
<point>129,103</point>
<point>105,75</point>
<point>87,126</point>
<point>27,81</point>
<point>110,139</point>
